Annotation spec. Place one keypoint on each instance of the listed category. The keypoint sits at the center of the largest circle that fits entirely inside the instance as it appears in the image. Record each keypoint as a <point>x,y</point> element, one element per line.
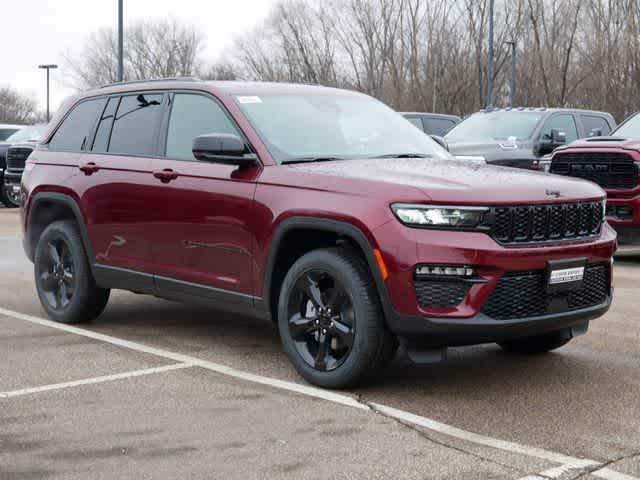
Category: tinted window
<point>416,121</point>
<point>101,142</point>
<point>566,123</point>
<point>72,134</point>
<point>135,125</point>
<point>193,115</point>
<point>6,133</point>
<point>496,125</point>
<point>592,123</point>
<point>437,126</point>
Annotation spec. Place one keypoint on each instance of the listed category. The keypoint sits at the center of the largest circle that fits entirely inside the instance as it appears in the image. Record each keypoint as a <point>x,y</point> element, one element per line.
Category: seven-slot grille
<point>524,294</point>
<point>609,170</point>
<point>542,223</point>
<point>17,156</point>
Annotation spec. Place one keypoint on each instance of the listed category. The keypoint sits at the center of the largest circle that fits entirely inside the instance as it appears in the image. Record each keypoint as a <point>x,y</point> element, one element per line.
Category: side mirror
<point>550,142</point>
<point>440,141</point>
<point>223,148</point>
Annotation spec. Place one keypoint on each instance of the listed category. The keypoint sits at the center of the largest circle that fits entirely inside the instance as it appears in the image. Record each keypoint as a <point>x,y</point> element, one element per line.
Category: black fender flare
<point>335,226</point>
<point>60,198</point>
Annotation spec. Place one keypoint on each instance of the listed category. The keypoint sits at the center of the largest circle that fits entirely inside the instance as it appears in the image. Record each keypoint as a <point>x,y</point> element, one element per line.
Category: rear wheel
<point>330,319</point>
<point>537,344</point>
<point>65,286</point>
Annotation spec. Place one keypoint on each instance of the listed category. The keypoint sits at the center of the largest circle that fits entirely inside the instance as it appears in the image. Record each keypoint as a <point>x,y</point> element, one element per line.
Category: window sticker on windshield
<point>250,99</point>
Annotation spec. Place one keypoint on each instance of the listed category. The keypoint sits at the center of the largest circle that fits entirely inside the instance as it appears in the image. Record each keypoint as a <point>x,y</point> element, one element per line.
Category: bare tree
<point>17,108</point>
<point>155,49</point>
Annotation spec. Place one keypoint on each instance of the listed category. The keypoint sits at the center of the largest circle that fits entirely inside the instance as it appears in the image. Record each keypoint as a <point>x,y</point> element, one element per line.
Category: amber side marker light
<point>381,265</point>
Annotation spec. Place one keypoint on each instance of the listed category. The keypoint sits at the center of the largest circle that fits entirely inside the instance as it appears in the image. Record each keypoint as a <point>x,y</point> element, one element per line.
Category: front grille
<point>440,293</point>
<point>524,294</point>
<point>542,223</point>
<point>609,170</point>
<point>17,156</point>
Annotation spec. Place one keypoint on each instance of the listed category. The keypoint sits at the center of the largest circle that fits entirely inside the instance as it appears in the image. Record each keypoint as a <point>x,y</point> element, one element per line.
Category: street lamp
<point>512,87</point>
<point>48,67</point>
<point>489,100</point>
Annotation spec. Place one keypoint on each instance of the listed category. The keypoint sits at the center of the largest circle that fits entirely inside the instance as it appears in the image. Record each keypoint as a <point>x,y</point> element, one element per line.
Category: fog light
<point>625,212</point>
<point>445,270</point>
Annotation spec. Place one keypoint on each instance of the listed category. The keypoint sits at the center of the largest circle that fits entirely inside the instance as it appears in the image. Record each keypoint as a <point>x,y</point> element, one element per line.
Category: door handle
<point>89,168</point>
<point>166,175</point>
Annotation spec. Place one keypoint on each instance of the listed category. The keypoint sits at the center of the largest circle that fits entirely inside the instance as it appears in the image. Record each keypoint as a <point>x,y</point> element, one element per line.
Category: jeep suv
<point>612,162</point>
<point>521,137</point>
<point>318,208</point>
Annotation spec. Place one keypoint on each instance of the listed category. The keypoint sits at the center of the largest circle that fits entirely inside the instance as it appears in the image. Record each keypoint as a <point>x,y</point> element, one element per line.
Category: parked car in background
<point>6,130</point>
<point>318,208</point>
<point>432,123</point>
<point>12,157</point>
<point>613,162</point>
<point>520,137</point>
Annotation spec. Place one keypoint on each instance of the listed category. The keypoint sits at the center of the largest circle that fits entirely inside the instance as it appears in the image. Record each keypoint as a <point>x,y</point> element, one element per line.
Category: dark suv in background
<point>612,162</point>
<point>521,137</point>
<point>432,123</point>
<point>21,143</point>
<point>320,209</point>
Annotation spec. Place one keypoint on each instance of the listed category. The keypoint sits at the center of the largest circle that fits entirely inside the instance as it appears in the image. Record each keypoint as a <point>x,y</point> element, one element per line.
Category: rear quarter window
<point>72,134</point>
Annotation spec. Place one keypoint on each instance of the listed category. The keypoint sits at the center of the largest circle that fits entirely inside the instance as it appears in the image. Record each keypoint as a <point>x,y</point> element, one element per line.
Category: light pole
<point>120,43</point>
<point>512,86</point>
<point>48,67</point>
<point>490,58</point>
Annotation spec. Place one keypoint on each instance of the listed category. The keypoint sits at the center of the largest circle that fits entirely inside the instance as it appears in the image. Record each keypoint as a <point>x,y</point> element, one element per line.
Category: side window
<point>193,115</point>
<point>101,142</point>
<point>135,126</point>
<point>416,122</point>
<point>592,123</point>
<point>438,126</point>
<point>76,127</point>
<point>564,122</point>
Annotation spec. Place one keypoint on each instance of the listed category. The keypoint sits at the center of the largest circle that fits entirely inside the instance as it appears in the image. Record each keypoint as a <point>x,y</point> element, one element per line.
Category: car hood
<point>604,142</point>
<point>450,181</point>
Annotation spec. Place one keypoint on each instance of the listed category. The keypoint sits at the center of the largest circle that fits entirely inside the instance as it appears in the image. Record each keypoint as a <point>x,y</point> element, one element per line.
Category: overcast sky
<point>33,32</point>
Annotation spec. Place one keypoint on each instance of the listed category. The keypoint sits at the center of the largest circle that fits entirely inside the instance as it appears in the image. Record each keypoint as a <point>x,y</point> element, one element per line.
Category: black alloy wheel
<point>321,320</point>
<point>57,279</point>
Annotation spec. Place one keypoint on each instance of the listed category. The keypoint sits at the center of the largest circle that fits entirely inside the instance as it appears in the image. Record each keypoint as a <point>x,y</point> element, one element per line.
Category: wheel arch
<point>327,230</point>
<point>48,207</point>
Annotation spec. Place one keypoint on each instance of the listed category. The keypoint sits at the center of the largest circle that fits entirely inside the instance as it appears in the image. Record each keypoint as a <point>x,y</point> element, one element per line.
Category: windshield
<point>28,134</point>
<point>499,125</point>
<point>308,126</point>
<point>629,129</point>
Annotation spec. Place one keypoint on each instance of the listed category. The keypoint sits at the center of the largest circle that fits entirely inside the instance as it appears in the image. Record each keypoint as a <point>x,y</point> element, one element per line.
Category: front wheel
<point>10,198</point>
<point>537,344</point>
<point>330,319</point>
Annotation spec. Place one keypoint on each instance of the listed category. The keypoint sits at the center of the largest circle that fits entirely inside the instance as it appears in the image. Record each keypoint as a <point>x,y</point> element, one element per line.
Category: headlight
<point>439,217</point>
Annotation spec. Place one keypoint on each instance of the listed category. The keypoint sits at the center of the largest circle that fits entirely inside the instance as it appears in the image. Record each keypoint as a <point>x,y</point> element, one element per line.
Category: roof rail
<point>129,82</point>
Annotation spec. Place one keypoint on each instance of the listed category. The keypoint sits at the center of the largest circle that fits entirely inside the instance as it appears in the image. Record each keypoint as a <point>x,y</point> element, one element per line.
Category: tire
<point>8,198</point>
<point>357,343</point>
<point>538,344</point>
<point>66,288</point>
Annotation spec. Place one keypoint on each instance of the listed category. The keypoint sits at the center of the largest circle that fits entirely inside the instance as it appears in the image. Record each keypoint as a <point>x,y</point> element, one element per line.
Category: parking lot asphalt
<point>155,389</point>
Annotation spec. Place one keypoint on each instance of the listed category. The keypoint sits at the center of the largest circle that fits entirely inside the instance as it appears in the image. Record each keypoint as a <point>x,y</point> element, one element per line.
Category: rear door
<point>117,183</point>
<point>203,237</point>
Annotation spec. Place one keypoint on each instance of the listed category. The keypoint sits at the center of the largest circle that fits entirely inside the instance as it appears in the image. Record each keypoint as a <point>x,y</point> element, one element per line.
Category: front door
<point>203,235</point>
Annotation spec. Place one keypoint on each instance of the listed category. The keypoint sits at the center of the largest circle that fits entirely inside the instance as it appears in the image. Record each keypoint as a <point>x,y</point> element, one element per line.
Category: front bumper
<point>627,226</point>
<point>465,323</point>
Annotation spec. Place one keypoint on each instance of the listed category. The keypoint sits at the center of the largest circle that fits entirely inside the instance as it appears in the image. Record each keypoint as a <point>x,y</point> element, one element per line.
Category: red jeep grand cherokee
<point>613,163</point>
<point>319,208</point>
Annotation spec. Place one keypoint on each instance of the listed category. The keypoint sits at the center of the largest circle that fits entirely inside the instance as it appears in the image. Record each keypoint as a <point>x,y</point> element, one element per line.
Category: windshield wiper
<point>310,159</point>
<point>404,155</point>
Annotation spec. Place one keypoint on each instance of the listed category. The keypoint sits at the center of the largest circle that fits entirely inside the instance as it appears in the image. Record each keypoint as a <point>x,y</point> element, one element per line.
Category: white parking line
<point>565,460</point>
<point>89,381</point>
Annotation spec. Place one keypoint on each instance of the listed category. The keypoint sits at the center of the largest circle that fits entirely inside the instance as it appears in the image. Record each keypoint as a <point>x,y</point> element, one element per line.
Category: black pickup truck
<point>12,164</point>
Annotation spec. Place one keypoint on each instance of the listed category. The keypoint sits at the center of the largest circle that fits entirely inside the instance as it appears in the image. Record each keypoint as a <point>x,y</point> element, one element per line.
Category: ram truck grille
<point>609,170</point>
